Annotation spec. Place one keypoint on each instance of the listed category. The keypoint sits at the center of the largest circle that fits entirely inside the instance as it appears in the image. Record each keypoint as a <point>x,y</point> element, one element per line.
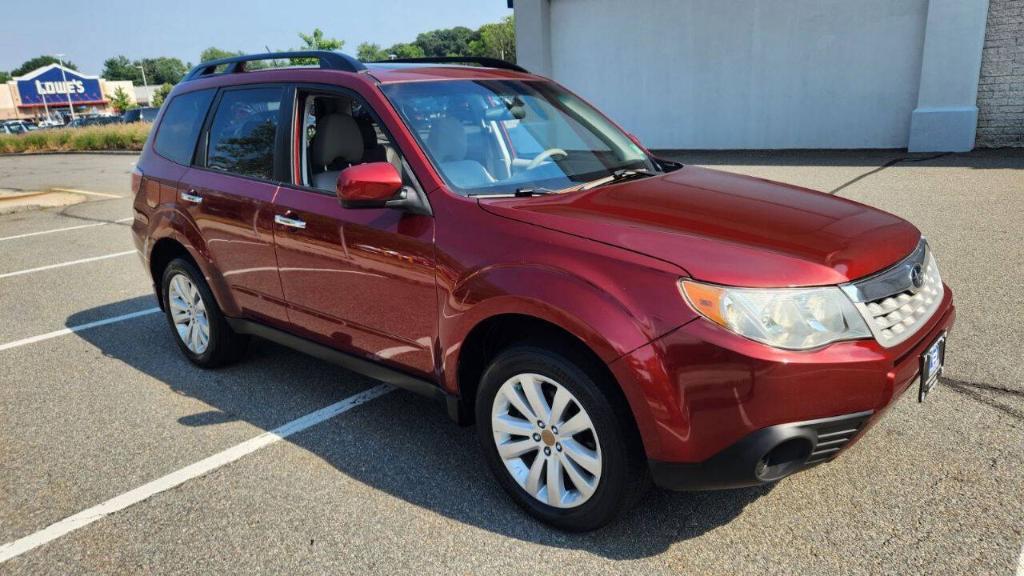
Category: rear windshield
<point>177,133</point>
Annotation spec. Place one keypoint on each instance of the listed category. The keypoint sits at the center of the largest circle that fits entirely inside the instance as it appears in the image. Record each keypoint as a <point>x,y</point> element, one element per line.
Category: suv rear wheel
<point>554,440</point>
<point>199,326</point>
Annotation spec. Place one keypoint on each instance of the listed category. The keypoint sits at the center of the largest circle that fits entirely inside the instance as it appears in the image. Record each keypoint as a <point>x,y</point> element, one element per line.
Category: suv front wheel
<point>554,440</point>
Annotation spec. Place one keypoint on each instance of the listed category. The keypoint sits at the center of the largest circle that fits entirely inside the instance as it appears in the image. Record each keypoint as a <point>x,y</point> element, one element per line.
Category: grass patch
<point>110,137</point>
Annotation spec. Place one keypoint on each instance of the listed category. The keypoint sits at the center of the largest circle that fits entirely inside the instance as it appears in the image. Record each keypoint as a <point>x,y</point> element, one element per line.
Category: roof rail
<point>488,62</point>
<point>328,59</point>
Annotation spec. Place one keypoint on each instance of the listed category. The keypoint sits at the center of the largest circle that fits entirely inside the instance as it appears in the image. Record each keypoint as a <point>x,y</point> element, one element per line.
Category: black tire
<point>624,476</point>
<point>225,346</point>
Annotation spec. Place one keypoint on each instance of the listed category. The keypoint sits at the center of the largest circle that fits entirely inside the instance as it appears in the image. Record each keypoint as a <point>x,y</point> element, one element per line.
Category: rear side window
<point>243,132</point>
<point>176,136</point>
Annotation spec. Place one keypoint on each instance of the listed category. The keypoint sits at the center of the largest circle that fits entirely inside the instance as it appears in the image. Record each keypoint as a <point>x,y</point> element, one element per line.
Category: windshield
<point>503,136</point>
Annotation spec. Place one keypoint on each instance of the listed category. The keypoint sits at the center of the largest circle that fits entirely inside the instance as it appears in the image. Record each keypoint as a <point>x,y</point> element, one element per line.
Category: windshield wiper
<point>630,174</point>
<point>527,192</point>
<point>620,175</point>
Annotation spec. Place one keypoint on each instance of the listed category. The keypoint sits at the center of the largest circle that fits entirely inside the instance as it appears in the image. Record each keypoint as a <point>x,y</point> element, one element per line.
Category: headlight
<point>792,318</point>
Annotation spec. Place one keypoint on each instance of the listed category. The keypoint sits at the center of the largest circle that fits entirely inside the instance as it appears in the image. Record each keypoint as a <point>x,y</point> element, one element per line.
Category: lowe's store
<point>53,90</point>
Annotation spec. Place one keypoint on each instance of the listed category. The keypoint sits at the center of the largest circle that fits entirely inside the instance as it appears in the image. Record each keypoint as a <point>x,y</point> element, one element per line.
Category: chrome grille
<point>893,306</point>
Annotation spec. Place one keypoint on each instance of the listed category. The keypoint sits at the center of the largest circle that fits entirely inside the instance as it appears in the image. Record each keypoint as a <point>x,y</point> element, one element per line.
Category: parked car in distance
<point>94,121</point>
<point>49,123</point>
<point>480,235</point>
<point>15,127</point>
<point>140,115</point>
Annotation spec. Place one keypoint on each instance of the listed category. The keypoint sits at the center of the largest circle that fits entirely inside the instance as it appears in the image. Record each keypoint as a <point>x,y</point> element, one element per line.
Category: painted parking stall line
<point>79,328</point>
<point>63,264</point>
<point>65,229</point>
<point>179,477</point>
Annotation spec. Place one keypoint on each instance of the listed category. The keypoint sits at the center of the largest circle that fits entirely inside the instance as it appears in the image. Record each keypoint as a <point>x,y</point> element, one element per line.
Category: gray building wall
<point>1001,88</point>
<point>746,74</point>
<point>707,74</point>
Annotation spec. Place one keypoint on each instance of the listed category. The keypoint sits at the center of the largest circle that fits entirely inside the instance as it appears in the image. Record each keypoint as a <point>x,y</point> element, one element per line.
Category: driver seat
<point>338,144</point>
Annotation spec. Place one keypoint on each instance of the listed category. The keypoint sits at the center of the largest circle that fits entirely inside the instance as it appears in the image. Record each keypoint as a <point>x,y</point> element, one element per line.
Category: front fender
<point>609,326</point>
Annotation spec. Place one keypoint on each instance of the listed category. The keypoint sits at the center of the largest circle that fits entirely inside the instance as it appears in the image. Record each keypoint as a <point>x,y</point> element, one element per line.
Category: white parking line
<point>63,264</point>
<point>79,328</point>
<point>118,503</point>
<point>1020,563</point>
<point>40,233</point>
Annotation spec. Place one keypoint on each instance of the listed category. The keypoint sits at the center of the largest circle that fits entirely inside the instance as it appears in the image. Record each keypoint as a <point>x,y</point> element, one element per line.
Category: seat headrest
<point>337,137</point>
<point>447,140</point>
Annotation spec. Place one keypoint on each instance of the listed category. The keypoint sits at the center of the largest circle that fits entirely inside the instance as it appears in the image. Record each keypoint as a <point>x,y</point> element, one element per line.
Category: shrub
<point>109,137</point>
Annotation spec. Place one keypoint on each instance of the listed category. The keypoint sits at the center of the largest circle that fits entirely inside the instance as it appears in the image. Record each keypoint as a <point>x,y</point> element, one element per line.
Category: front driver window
<point>338,132</point>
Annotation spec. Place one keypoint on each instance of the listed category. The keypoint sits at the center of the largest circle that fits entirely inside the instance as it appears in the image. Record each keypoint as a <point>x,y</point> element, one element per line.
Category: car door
<point>229,190</point>
<point>360,280</point>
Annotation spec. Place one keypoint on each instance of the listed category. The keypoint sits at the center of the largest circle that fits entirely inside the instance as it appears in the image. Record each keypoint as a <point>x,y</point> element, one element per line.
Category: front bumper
<point>711,406</point>
<point>764,456</point>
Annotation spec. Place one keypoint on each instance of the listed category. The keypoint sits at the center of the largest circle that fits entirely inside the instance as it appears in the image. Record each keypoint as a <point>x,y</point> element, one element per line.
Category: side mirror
<point>369,185</point>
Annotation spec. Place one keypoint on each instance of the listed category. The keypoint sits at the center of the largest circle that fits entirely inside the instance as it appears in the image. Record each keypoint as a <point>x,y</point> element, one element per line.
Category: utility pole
<point>64,75</point>
<point>46,108</point>
<point>144,83</point>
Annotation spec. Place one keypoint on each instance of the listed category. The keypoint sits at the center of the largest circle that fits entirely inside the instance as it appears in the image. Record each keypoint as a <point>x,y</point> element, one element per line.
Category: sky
<point>90,32</point>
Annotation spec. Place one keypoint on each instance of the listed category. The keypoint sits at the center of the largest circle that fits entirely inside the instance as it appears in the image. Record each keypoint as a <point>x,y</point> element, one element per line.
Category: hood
<point>728,229</point>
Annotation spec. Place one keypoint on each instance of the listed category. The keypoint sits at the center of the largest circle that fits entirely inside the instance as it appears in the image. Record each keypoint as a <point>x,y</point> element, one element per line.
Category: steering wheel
<point>539,158</point>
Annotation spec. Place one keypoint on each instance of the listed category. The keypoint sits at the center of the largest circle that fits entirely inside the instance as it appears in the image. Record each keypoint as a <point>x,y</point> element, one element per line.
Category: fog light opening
<point>783,460</point>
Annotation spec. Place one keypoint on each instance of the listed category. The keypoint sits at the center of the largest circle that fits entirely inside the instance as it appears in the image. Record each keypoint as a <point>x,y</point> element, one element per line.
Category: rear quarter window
<point>177,133</point>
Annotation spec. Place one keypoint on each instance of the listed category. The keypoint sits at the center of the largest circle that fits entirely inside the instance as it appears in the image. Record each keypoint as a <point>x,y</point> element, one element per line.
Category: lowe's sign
<point>56,85</point>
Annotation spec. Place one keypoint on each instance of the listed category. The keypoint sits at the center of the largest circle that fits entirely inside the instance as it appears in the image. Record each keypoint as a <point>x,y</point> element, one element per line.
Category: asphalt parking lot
<point>89,415</point>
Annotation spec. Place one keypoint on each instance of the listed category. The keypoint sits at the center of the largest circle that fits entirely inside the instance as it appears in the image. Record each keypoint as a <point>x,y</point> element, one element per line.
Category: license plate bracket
<point>932,361</point>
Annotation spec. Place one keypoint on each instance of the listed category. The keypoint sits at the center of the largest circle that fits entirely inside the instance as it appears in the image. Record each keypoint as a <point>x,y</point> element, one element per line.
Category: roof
<point>44,69</point>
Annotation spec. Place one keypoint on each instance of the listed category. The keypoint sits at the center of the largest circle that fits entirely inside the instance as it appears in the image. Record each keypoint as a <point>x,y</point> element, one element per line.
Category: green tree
<point>164,70</point>
<point>5,77</point>
<point>214,53</point>
<point>496,40</point>
<point>120,68</point>
<point>160,95</point>
<point>39,62</point>
<point>160,70</point>
<point>316,41</point>
<point>447,41</point>
<point>404,51</point>
<point>368,52</point>
<point>121,101</point>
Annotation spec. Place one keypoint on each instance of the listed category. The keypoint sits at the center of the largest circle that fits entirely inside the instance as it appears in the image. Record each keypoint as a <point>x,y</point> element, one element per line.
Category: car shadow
<point>401,444</point>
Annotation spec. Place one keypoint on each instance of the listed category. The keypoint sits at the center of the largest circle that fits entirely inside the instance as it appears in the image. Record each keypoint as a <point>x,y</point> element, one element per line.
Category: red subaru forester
<point>478,234</point>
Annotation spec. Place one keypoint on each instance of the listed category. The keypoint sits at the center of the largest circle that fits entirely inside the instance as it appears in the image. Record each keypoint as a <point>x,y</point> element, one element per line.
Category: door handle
<point>192,197</point>
<point>289,222</point>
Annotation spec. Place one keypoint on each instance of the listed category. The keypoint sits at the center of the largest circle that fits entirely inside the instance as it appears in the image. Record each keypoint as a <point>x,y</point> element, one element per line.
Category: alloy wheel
<point>188,311</point>
<point>546,440</point>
